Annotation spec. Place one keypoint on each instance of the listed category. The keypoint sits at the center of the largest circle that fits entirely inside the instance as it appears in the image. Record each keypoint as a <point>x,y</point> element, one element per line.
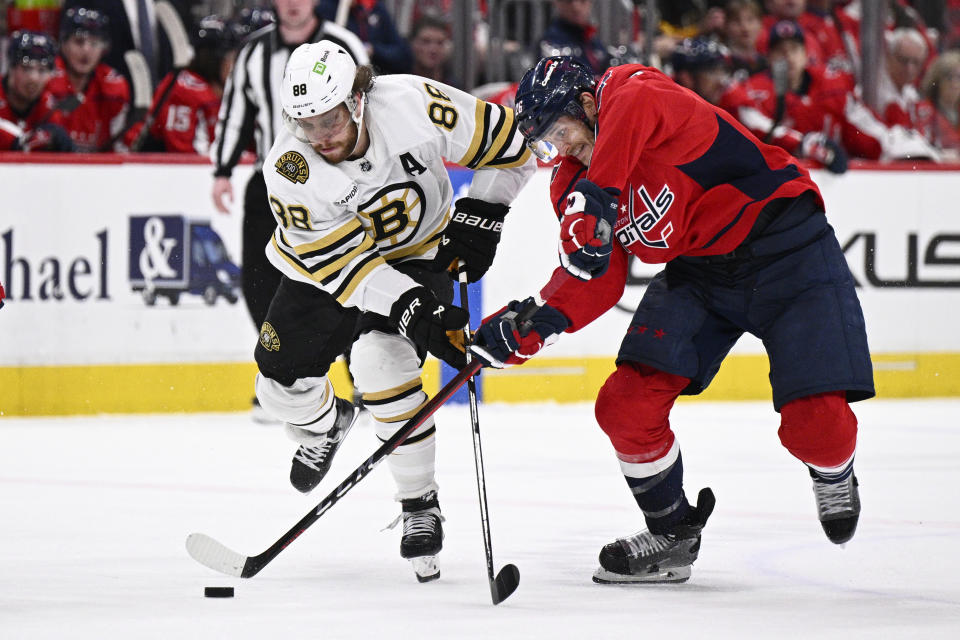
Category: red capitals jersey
<point>905,108</point>
<point>824,103</point>
<point>185,116</point>
<point>692,181</point>
<point>102,110</point>
<point>14,125</point>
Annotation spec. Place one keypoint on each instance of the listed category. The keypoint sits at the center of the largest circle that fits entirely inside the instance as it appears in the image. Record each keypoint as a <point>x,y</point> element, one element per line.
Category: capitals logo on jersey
<point>646,228</point>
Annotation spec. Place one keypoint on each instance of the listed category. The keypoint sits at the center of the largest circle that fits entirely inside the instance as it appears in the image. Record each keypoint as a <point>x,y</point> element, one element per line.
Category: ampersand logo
<point>155,255</point>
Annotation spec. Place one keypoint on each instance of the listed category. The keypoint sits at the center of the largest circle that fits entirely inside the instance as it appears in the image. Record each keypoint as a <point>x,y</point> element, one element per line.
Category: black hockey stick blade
<point>219,557</point>
<point>505,583</point>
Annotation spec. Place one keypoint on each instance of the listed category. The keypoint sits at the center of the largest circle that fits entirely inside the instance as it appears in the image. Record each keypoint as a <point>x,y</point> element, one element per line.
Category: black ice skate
<point>422,536</point>
<point>838,506</point>
<point>656,558</point>
<point>310,464</point>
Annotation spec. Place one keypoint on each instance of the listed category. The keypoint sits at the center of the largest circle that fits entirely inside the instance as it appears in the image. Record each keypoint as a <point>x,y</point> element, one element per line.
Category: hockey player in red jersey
<point>94,98</point>
<point>183,114</point>
<point>650,169</point>
<point>29,120</point>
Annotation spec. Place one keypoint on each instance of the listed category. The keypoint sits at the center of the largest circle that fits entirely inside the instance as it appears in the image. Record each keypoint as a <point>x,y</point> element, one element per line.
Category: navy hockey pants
<point>790,286</point>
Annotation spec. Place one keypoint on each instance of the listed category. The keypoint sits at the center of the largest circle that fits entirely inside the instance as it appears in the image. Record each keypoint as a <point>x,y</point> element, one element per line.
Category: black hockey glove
<point>431,325</point>
<point>586,230</point>
<point>471,235</point>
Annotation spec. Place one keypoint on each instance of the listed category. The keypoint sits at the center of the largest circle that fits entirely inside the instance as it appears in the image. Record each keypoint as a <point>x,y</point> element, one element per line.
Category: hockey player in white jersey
<point>364,239</point>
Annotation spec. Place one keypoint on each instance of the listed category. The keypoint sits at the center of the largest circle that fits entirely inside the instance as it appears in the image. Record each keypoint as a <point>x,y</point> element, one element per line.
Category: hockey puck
<point>218,592</point>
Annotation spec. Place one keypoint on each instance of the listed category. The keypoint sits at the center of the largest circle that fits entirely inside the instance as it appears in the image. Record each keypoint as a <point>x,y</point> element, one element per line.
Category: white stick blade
<point>211,553</point>
<point>139,78</point>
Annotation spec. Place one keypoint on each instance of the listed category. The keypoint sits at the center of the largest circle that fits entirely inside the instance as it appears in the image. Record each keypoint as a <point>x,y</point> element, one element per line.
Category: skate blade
<point>665,576</point>
<point>427,568</point>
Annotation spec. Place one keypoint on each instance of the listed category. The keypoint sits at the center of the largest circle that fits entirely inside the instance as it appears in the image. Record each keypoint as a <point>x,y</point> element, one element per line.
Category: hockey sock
<point>835,474</point>
<point>659,496</point>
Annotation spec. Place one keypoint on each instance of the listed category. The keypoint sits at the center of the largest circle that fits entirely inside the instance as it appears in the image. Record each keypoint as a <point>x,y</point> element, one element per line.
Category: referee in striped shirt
<point>251,107</point>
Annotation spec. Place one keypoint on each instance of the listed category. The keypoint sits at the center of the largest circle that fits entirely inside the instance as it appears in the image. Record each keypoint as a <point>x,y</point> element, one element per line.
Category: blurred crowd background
<point>829,80</point>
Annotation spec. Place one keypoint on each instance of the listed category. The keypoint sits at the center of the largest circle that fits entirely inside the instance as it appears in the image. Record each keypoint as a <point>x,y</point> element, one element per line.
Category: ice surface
<point>95,512</point>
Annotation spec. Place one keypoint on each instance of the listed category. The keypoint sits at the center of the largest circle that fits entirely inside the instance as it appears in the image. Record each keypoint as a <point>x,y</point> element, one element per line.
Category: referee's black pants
<point>259,278</point>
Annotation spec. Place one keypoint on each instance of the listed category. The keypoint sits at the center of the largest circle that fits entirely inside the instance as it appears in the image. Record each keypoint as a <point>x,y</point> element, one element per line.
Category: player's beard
<point>341,150</point>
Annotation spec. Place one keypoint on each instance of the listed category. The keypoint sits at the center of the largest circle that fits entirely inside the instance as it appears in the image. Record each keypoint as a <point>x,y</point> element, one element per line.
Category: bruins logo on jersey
<point>293,166</point>
<point>393,215</point>
<point>269,338</point>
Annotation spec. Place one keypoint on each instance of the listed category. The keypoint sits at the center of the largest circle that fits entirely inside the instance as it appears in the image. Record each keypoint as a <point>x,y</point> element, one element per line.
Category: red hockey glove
<point>586,230</point>
<point>517,332</point>
<point>819,148</point>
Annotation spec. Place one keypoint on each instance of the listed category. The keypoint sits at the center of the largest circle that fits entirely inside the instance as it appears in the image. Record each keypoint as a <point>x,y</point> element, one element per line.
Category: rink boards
<point>80,240</point>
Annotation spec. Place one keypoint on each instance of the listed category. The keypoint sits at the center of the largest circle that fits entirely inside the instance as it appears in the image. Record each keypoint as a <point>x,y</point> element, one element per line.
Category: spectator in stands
<point>741,29</point>
<point>899,102</point>
<point>431,46</point>
<point>571,33</point>
<point>702,65</point>
<point>822,40</point>
<point>92,96</point>
<point>29,120</point>
<point>817,116</point>
<point>184,111</point>
<point>373,24</point>
<point>941,86</point>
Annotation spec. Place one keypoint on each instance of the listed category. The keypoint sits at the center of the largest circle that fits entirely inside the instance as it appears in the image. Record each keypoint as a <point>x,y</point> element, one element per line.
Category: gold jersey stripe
<point>503,138</point>
<point>395,391</point>
<point>478,134</point>
<point>357,278</point>
<point>524,156</point>
<point>403,417</point>
<point>327,240</point>
<point>345,259</point>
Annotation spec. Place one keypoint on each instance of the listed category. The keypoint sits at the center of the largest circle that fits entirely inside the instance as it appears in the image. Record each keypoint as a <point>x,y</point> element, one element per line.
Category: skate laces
<point>315,456</point>
<point>417,522</point>
<point>645,544</point>
<point>834,499</point>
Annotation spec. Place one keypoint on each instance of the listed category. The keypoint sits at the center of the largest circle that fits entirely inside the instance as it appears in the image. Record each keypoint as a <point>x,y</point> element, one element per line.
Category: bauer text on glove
<point>472,236</point>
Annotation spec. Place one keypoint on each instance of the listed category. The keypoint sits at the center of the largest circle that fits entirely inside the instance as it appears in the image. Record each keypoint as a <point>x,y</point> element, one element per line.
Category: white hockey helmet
<point>319,77</point>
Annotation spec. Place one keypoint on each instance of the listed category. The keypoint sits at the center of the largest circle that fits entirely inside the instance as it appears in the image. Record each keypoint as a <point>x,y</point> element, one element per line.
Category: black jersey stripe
<point>482,147</point>
<point>417,438</point>
<point>353,274</point>
<point>403,394</point>
<point>333,246</point>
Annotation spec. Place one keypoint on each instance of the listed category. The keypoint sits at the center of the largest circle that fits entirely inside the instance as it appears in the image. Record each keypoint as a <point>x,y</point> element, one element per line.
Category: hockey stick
<point>218,557</point>
<point>182,51</point>
<point>343,11</point>
<point>781,84</point>
<point>176,33</point>
<point>507,581</point>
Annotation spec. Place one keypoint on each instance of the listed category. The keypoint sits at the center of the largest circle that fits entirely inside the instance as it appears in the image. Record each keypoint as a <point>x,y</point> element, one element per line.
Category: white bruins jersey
<point>340,227</point>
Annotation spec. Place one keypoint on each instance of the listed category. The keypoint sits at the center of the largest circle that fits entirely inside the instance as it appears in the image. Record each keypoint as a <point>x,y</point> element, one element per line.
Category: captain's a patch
<point>293,166</point>
<point>269,338</point>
